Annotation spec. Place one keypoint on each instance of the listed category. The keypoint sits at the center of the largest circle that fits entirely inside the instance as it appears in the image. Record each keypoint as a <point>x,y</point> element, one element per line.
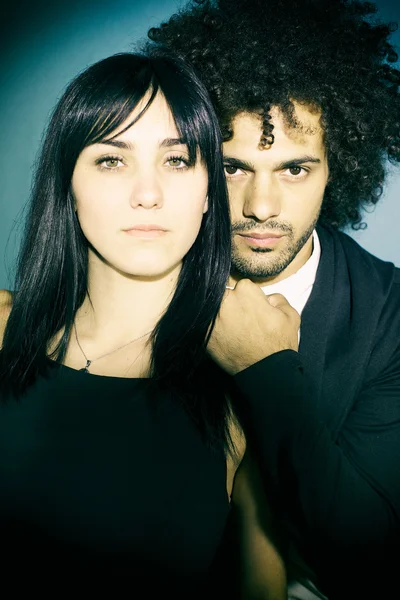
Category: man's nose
<point>263,198</point>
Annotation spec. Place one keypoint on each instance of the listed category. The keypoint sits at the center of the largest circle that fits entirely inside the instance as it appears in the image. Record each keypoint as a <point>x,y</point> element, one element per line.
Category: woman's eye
<point>230,170</point>
<point>110,163</point>
<point>177,162</point>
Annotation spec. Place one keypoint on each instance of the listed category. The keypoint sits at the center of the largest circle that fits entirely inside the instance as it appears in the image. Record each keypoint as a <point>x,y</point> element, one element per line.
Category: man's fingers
<point>279,301</point>
<point>245,291</point>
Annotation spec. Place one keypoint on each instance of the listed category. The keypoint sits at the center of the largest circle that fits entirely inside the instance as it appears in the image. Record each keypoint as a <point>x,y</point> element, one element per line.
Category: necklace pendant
<point>86,367</point>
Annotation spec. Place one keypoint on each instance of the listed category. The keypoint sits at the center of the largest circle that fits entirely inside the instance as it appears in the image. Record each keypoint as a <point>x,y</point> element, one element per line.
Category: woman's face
<point>139,202</point>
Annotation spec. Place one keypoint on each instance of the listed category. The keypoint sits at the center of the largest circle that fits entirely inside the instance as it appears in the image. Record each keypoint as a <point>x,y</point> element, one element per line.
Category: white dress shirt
<point>297,287</point>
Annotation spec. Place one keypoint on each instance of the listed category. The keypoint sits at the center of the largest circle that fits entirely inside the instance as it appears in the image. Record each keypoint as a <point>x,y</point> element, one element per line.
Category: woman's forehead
<point>154,121</point>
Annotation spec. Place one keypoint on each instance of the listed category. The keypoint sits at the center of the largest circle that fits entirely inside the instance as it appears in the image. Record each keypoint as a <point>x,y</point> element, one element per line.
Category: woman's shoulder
<point>6,298</point>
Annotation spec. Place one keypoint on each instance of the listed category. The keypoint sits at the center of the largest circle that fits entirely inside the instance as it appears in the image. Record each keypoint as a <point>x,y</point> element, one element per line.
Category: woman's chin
<point>151,270</point>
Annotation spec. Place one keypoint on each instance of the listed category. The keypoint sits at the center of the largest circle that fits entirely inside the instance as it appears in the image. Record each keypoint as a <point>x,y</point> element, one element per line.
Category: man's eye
<point>230,170</point>
<point>295,170</point>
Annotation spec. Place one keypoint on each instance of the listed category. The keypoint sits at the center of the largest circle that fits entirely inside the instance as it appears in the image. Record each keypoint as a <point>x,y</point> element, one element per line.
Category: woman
<point>118,445</point>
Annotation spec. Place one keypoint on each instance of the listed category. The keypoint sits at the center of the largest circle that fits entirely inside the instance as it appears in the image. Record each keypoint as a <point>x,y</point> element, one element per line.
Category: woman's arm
<point>262,574</point>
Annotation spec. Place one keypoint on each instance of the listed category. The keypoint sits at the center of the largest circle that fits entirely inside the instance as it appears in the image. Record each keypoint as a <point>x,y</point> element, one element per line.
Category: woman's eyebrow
<point>117,144</point>
<point>166,143</point>
<point>172,142</point>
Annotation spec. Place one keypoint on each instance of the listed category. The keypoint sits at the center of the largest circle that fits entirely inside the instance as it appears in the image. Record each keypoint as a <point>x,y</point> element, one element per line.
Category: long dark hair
<point>52,268</point>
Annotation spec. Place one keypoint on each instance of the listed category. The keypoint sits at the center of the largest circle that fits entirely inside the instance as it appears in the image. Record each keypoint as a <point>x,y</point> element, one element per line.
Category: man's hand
<point>251,326</point>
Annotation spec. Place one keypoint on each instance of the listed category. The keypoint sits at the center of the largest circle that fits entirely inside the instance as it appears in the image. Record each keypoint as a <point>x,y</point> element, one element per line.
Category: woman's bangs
<point>190,114</point>
<point>108,121</point>
<point>194,129</point>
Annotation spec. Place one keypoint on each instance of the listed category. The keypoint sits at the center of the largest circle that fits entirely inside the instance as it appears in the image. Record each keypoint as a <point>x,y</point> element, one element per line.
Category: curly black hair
<point>332,55</point>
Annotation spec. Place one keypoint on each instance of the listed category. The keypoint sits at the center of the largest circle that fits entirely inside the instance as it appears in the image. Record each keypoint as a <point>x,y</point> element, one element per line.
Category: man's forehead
<point>305,124</point>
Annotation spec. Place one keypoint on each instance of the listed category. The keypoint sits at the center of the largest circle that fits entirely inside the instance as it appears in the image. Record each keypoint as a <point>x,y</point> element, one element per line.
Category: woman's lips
<point>146,231</point>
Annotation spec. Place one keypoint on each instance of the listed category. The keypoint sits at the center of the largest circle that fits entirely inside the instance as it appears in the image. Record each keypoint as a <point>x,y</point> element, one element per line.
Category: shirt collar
<point>297,287</point>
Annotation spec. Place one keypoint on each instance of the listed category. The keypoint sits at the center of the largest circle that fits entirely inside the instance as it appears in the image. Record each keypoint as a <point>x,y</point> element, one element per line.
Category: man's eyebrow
<point>287,164</point>
<point>296,162</point>
<point>167,143</point>
<point>238,163</point>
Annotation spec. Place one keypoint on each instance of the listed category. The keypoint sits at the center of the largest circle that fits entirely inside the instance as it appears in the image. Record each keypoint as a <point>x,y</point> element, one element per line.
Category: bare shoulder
<point>6,299</point>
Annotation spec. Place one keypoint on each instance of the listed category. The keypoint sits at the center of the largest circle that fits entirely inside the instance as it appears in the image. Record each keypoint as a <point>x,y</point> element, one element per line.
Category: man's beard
<point>247,267</point>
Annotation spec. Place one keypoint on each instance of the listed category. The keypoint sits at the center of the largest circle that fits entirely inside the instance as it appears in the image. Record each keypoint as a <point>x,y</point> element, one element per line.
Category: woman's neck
<point>121,307</point>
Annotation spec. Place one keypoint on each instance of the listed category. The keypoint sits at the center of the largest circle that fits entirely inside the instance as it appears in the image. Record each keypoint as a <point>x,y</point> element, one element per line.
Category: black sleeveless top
<point>108,479</point>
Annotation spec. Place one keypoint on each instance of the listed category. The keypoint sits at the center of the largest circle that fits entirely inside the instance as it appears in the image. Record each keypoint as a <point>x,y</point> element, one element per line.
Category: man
<point>309,105</point>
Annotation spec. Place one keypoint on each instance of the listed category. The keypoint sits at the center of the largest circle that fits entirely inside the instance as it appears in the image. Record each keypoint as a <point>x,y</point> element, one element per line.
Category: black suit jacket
<point>325,423</point>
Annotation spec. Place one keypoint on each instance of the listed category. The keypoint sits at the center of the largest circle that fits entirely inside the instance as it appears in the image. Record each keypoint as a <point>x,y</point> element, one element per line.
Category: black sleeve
<point>340,499</point>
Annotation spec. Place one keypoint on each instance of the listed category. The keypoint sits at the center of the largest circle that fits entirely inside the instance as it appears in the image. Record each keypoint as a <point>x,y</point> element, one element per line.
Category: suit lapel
<point>330,327</point>
<point>314,325</point>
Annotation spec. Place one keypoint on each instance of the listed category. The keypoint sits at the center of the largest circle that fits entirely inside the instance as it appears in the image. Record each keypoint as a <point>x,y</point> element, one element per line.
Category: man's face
<point>275,194</point>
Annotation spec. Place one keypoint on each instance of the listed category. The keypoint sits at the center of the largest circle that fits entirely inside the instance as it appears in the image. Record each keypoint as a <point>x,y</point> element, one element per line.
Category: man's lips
<point>262,240</point>
<point>261,236</point>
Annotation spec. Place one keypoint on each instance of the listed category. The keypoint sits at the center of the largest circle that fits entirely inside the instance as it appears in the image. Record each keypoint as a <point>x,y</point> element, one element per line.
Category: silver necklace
<point>90,361</point>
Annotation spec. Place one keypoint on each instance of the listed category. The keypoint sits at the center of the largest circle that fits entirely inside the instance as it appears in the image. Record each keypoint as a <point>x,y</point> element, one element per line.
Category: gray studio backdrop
<point>44,44</point>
